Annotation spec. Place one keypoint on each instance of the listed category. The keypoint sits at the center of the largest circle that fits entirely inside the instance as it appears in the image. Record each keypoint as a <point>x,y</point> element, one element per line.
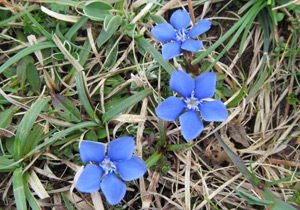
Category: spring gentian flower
<point>101,173</point>
<point>195,94</point>
<point>177,32</point>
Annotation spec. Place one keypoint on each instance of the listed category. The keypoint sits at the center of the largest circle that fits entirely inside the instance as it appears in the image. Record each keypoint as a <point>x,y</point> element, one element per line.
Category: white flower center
<point>181,35</point>
<point>108,166</point>
<point>192,102</point>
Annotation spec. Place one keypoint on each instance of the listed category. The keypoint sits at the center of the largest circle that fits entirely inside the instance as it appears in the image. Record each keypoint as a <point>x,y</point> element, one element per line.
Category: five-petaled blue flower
<point>195,94</point>
<point>180,20</point>
<point>101,174</point>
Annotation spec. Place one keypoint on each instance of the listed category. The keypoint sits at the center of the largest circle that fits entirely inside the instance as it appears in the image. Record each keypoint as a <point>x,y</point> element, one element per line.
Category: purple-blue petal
<point>180,19</point>
<point>91,151</point>
<point>121,148</point>
<point>205,85</point>
<point>191,125</point>
<point>171,50</point>
<point>170,109</point>
<point>89,179</point>
<point>213,111</point>
<point>113,189</point>
<point>164,32</point>
<point>182,83</point>
<point>201,27</point>
<point>131,169</point>
<point>192,45</point>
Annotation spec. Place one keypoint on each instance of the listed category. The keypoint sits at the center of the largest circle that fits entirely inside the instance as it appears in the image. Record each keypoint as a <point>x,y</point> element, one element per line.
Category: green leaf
<point>58,56</point>
<point>144,44</point>
<point>22,68</point>
<point>69,111</point>
<point>24,129</point>
<point>4,163</point>
<point>6,117</point>
<point>253,199</point>
<point>132,100</point>
<point>84,96</point>
<point>33,77</point>
<point>97,10</point>
<point>153,159</point>
<point>111,53</point>
<point>237,99</point>
<point>19,194</point>
<point>112,27</point>
<point>24,52</point>
<point>76,27</point>
<point>33,138</point>
<point>66,201</point>
<point>280,16</point>
<point>158,19</point>
<point>62,134</point>
<point>31,199</point>
<point>280,205</point>
<point>233,32</point>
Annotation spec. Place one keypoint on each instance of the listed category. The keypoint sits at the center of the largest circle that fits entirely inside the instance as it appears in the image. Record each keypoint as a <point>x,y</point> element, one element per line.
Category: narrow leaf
<point>5,165</point>
<point>84,96</point>
<point>143,43</point>
<point>33,77</point>
<point>31,199</point>
<point>253,199</point>
<point>69,112</point>
<point>66,201</point>
<point>24,129</point>
<point>125,104</point>
<point>6,117</point>
<point>18,187</point>
<point>24,52</point>
<point>112,27</point>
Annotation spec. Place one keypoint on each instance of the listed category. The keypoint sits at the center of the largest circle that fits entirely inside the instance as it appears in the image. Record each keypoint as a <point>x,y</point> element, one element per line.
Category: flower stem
<point>188,57</point>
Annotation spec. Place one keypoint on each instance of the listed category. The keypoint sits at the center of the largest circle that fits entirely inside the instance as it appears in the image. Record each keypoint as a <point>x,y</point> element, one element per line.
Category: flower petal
<point>113,189</point>
<point>170,109</point>
<point>121,148</point>
<point>201,27</point>
<point>89,179</point>
<point>131,169</point>
<point>191,125</point>
<point>205,85</point>
<point>180,19</point>
<point>182,83</point>
<point>164,32</point>
<point>213,111</point>
<point>192,45</point>
<point>91,151</point>
<point>171,50</point>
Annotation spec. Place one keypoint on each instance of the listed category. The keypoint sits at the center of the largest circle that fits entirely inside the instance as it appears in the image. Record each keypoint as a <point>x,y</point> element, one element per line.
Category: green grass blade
<point>18,187</point>
<point>125,104</point>
<point>84,98</point>
<point>38,26</point>
<point>66,201</point>
<point>31,199</point>
<point>237,26</point>
<point>76,27</point>
<point>250,18</point>
<point>5,165</point>
<point>62,134</point>
<point>26,125</point>
<point>143,43</point>
<point>24,52</point>
<point>14,17</point>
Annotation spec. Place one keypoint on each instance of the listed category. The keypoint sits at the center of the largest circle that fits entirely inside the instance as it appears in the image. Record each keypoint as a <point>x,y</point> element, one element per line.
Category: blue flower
<point>195,94</point>
<point>101,174</point>
<point>180,20</point>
